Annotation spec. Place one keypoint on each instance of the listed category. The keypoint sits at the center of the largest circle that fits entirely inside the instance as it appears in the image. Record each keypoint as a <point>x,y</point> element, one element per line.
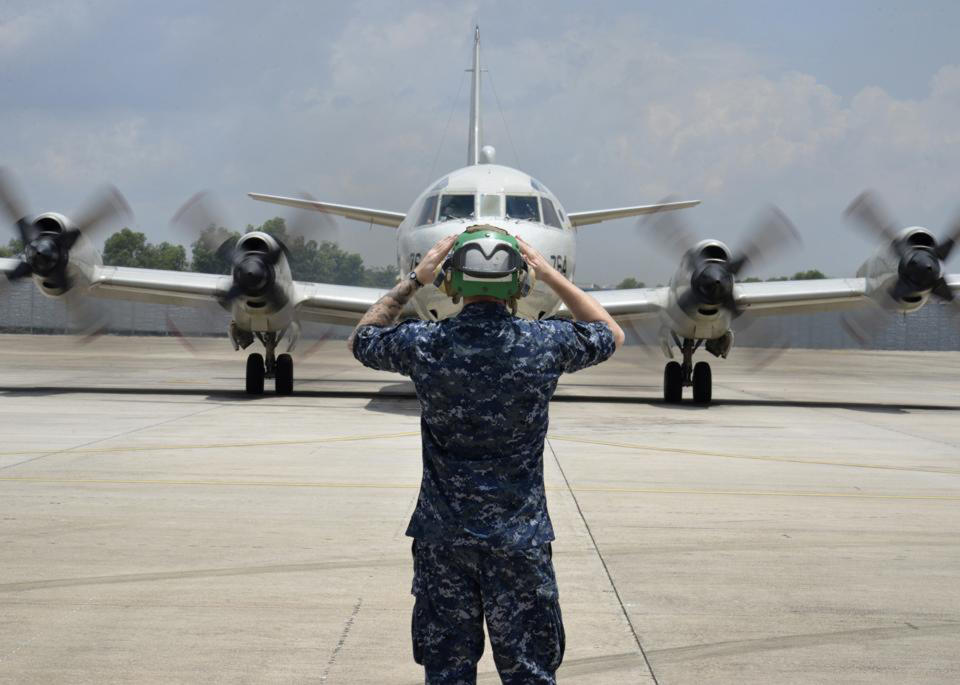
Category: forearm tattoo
<point>386,310</point>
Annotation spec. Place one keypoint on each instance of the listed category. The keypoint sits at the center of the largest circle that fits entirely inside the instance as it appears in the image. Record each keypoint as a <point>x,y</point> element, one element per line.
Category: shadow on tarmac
<point>404,391</point>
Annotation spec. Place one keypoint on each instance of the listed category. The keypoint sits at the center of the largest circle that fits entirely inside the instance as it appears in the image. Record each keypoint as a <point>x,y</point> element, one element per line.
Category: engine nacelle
<point>52,257</point>
<point>900,278</point>
<point>262,291</point>
<point>700,291</point>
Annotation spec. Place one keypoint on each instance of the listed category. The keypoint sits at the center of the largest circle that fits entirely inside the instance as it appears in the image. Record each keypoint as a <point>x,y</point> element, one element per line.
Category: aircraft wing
<point>629,304</point>
<point>373,216</point>
<point>595,216</point>
<point>801,297</point>
<point>766,298</point>
<point>334,304</point>
<point>8,265</point>
<point>157,285</point>
<point>320,302</point>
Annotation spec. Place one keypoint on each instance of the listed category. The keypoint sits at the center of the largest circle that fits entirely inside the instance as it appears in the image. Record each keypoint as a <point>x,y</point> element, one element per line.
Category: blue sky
<point>609,104</point>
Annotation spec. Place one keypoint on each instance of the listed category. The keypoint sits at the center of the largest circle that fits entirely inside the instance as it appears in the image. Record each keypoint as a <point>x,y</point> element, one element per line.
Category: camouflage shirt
<point>484,379</point>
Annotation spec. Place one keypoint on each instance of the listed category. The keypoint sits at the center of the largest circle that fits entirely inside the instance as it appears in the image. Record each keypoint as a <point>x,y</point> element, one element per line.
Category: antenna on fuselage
<point>475,143</point>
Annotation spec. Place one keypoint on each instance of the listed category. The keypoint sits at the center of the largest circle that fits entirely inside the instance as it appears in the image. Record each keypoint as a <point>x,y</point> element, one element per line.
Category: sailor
<point>484,378</point>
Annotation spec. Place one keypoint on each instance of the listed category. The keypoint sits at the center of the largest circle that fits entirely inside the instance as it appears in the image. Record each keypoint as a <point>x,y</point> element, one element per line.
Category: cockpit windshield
<point>456,207</point>
<point>523,207</point>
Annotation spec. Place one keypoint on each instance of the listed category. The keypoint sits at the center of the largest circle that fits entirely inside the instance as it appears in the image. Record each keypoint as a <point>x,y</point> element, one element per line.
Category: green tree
<point>381,276</point>
<point>203,251</point>
<point>751,279</point>
<point>13,249</point>
<point>130,248</point>
<point>630,282</point>
<point>809,275</point>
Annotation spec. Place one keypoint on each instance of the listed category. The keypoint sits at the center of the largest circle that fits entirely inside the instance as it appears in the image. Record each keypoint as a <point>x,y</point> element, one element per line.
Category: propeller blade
<point>688,300</point>
<point>771,233</point>
<point>760,340</point>
<point>23,269</point>
<point>227,249</point>
<point>105,207</point>
<point>14,205</point>
<point>86,319</point>
<point>670,231</point>
<point>868,212</point>
<point>234,292</point>
<point>644,334</point>
<point>864,324</point>
<point>310,225</point>
<point>943,291</point>
<point>945,246</point>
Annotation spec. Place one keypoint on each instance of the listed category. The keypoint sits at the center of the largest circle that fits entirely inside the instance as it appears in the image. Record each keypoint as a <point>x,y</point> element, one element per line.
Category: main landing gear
<point>677,376</point>
<point>278,367</point>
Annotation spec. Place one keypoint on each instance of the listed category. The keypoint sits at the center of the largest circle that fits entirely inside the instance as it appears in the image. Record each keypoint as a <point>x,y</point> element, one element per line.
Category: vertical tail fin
<point>475,142</point>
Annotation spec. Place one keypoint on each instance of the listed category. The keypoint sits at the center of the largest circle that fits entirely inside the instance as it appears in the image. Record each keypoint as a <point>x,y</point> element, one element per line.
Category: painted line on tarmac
<point>723,455</point>
<point>410,486</point>
<point>213,445</point>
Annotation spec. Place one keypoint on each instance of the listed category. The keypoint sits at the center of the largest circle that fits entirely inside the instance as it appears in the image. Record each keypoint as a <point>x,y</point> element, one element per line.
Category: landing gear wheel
<point>255,373</point>
<point>284,382</point>
<point>672,383</point>
<point>702,383</point>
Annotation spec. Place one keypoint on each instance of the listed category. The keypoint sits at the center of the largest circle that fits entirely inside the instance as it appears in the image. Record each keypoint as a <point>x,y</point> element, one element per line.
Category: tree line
<point>317,262</point>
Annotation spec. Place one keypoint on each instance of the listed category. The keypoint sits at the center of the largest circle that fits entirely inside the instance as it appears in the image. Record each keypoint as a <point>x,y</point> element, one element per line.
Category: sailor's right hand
<point>435,255</point>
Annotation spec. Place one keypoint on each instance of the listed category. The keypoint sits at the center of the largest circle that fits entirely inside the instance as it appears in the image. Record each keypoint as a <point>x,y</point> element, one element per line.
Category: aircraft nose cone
<point>713,283</point>
<point>251,275</point>
<point>922,269</point>
<point>44,255</point>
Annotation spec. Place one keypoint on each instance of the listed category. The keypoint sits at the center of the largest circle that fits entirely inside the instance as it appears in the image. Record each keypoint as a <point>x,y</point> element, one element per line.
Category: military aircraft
<point>697,309</point>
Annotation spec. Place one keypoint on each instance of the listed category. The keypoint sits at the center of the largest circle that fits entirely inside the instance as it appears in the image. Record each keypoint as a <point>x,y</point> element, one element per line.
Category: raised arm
<point>386,310</point>
<point>581,305</point>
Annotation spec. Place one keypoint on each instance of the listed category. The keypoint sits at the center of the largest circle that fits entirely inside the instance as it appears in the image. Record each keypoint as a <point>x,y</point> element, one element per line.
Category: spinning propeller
<point>252,270</point>
<point>46,242</point>
<point>920,269</point>
<point>48,239</point>
<point>712,276</point>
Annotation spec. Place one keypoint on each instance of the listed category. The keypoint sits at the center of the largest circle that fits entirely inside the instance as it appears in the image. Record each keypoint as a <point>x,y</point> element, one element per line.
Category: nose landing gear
<point>278,367</point>
<point>677,376</point>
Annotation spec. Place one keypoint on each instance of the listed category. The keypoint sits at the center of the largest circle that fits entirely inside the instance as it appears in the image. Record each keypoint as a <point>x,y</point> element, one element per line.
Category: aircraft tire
<point>255,374</point>
<point>672,383</point>
<point>702,383</point>
<point>284,381</point>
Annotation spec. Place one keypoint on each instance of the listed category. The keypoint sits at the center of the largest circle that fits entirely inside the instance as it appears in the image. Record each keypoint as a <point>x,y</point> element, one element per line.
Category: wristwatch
<point>413,277</point>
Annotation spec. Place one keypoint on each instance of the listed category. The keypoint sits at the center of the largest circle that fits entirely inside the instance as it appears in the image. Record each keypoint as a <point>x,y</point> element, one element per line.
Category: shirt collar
<point>477,310</point>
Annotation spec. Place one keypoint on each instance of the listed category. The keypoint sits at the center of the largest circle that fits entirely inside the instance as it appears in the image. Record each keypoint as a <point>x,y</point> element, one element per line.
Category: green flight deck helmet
<point>485,260</point>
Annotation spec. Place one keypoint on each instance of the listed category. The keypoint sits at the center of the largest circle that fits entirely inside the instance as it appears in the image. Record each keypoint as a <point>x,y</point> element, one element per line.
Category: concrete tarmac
<point>158,526</point>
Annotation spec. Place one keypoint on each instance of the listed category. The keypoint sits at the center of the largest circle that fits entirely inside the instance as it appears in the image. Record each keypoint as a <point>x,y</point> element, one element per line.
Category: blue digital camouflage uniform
<point>481,529</point>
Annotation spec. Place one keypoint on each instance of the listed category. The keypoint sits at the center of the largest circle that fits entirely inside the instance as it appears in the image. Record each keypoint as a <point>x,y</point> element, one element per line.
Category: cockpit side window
<point>456,207</point>
<point>550,217</point>
<point>523,207</point>
<point>429,212</point>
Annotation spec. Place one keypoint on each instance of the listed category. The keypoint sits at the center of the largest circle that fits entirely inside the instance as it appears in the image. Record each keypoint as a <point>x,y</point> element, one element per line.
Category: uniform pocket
<point>551,638</point>
<point>417,624</point>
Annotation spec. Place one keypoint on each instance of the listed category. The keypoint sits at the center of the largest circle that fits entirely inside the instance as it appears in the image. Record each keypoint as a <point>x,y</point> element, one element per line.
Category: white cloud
<point>606,111</point>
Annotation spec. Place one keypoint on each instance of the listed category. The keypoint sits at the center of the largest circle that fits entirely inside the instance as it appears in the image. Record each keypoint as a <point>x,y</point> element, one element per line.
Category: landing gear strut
<point>280,368</point>
<point>677,376</point>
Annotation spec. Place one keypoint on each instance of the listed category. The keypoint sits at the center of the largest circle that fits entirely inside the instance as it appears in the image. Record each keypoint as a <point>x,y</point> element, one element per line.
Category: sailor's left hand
<point>434,257</point>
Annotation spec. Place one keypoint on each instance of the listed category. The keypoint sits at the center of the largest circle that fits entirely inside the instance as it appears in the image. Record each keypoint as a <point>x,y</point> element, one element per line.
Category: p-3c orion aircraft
<point>697,309</point>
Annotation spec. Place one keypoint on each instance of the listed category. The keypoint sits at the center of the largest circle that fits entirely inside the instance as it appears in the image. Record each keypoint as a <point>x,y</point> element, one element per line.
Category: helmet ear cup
<point>526,282</point>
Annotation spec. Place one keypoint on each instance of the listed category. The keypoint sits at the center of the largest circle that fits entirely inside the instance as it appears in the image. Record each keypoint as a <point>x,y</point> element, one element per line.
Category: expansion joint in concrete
<point>603,562</point>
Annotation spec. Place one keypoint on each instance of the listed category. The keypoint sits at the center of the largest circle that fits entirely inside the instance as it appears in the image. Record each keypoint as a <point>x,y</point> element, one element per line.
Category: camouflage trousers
<point>516,590</point>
